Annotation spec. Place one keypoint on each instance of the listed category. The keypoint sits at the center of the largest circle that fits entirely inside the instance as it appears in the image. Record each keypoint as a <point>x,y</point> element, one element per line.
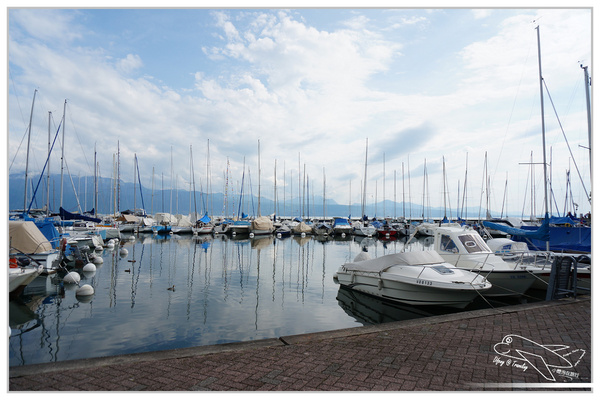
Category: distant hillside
<point>182,201</point>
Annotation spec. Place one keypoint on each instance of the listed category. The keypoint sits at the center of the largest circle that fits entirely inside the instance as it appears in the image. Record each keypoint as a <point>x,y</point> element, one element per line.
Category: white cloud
<point>130,63</point>
<point>302,90</point>
<point>481,13</point>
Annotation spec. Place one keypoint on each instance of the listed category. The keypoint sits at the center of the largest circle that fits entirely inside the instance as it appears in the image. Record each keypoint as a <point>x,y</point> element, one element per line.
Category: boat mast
<point>27,158</point>
<point>403,197</point>
<point>383,185</point>
<point>134,176</point>
<point>364,194</point>
<point>537,28</point>
<point>444,183</point>
<point>95,183</point>
<point>62,156</point>
<point>259,178</point>
<point>587,84</point>
<point>48,172</point>
<point>324,213</point>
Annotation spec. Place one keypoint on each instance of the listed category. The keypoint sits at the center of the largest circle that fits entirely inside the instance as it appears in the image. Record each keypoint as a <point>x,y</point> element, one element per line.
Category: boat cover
<point>541,233</point>
<point>66,215</point>
<point>128,218</point>
<point>410,258</point>
<point>262,223</point>
<point>205,219</point>
<point>340,221</point>
<point>302,227</point>
<point>26,238</point>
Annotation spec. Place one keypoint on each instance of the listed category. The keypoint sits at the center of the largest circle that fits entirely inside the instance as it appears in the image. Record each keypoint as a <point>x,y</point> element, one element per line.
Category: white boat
<point>322,229</point>
<point>283,231</point>
<point>241,227</point>
<point>518,253</point>
<point>341,227</point>
<point>21,276</point>
<point>415,278</point>
<point>464,248</point>
<point>363,228</point>
<point>425,229</point>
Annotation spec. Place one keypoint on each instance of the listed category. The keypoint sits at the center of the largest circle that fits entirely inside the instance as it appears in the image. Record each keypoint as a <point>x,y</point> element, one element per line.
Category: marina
<point>180,291</point>
<point>318,270</point>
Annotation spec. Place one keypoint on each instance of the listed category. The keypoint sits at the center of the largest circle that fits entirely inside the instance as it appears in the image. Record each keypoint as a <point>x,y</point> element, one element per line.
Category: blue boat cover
<point>64,214</point>
<point>46,226</point>
<point>340,221</point>
<point>541,233</point>
<point>205,219</point>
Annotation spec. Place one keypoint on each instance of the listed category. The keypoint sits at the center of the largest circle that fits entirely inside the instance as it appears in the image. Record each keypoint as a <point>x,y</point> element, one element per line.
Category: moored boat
<point>341,227</point>
<point>464,248</point>
<point>415,278</point>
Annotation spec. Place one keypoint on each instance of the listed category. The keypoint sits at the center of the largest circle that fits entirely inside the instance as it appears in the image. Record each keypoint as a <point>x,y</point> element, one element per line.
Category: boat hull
<point>417,290</point>
<point>19,278</point>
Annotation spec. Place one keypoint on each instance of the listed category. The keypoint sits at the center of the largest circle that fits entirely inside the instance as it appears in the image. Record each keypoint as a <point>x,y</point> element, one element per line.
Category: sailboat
<point>363,227</point>
<point>558,235</point>
<point>261,225</point>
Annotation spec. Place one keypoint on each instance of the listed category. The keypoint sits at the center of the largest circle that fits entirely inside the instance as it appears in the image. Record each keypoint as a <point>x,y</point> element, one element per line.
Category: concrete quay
<point>535,346</point>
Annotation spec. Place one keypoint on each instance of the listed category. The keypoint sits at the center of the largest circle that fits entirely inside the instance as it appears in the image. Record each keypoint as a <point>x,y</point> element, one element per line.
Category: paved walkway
<point>448,353</point>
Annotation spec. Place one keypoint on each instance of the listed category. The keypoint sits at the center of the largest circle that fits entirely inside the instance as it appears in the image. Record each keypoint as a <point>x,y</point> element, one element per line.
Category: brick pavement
<point>442,353</point>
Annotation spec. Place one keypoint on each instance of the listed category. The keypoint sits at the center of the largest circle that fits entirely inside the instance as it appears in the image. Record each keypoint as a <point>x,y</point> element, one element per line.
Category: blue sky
<point>422,85</point>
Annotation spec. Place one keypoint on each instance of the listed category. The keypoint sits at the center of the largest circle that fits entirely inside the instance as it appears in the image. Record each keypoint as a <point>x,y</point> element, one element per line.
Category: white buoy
<point>89,274</point>
<point>343,235</point>
<point>98,260</point>
<point>251,234</point>
<point>131,237</point>
<point>110,245</point>
<point>303,234</point>
<point>89,267</point>
<point>72,277</point>
<point>98,248</point>
<point>279,235</point>
<point>85,290</point>
<point>123,252</point>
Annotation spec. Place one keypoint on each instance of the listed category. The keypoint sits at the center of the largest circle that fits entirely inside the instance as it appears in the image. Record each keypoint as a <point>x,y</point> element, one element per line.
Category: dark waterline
<point>221,290</point>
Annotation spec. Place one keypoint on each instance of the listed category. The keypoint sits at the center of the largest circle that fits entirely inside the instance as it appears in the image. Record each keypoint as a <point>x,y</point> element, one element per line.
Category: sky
<point>426,98</point>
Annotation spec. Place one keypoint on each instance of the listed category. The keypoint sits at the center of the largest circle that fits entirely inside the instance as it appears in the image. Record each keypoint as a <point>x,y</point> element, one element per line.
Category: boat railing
<point>478,265</point>
<point>537,260</point>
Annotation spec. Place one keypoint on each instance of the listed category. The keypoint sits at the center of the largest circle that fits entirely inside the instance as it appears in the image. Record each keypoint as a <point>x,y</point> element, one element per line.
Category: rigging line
<point>79,141</point>
<point>513,107</point>
<point>18,148</point>
<point>42,173</point>
<point>567,142</point>
<point>16,95</point>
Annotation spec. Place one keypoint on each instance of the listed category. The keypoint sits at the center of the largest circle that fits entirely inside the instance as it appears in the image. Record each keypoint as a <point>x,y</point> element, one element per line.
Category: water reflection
<point>174,291</point>
<point>370,310</point>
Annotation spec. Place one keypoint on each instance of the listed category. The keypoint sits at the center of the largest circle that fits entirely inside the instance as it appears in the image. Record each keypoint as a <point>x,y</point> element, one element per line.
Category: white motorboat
<point>518,253</point>
<point>415,278</point>
<point>464,248</point>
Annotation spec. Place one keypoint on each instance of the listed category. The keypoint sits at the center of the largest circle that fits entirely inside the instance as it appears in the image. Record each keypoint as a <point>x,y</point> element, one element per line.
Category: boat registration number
<point>424,282</point>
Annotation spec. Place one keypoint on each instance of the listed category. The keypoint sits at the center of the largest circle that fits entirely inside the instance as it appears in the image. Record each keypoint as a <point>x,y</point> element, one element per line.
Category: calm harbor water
<point>182,291</point>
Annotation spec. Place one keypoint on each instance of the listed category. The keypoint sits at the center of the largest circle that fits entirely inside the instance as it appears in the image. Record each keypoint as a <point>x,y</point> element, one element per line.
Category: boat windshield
<point>447,244</point>
<point>474,244</point>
